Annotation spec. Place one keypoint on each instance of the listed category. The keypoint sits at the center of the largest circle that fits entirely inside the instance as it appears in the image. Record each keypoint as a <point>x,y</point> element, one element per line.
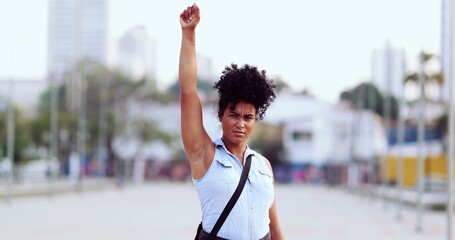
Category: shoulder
<point>267,162</point>
<point>264,159</point>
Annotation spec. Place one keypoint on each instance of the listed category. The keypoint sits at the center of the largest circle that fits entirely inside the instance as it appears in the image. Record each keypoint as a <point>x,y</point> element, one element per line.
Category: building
<point>155,112</point>
<point>137,54</point>
<point>447,50</point>
<point>317,133</point>
<point>388,70</point>
<point>325,142</point>
<point>205,68</point>
<point>78,29</point>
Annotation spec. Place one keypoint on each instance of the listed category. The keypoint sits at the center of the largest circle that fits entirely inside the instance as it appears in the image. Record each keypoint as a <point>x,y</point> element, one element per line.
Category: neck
<point>237,149</point>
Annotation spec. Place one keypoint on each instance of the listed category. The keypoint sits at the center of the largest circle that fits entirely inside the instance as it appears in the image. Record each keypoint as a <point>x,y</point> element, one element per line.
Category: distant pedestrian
<point>244,95</point>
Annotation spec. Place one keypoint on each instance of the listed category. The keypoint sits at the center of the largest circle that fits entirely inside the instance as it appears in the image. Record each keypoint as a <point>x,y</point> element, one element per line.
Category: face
<point>238,123</point>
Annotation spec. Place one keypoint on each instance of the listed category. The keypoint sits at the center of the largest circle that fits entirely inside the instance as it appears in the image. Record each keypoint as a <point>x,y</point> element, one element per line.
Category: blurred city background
<point>359,136</point>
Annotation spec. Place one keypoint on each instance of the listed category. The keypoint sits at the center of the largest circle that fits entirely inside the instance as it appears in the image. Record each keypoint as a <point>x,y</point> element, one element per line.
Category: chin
<point>236,140</point>
<point>239,140</point>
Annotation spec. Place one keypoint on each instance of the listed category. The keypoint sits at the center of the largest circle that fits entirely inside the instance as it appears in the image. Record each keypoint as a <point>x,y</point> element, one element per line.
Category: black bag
<point>199,230</point>
<point>235,196</point>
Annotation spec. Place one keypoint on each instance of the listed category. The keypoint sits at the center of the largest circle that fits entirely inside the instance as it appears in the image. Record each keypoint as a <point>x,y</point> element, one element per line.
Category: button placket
<point>251,212</point>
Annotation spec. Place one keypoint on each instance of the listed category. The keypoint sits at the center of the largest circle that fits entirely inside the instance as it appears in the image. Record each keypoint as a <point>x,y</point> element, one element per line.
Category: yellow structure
<point>435,167</point>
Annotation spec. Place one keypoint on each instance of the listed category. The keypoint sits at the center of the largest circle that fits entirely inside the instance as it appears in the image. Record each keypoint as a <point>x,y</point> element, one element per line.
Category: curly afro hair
<point>245,84</point>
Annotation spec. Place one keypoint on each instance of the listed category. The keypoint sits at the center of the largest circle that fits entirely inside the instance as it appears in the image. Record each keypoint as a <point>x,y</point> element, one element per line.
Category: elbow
<point>188,93</point>
<point>187,87</point>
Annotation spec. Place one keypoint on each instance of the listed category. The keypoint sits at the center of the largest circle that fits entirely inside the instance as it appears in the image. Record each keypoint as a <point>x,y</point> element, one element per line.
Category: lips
<point>238,133</point>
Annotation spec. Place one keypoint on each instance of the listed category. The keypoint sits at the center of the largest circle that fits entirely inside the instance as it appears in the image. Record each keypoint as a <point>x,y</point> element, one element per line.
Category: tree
<point>367,96</point>
<point>148,131</point>
<point>102,87</point>
<point>281,85</point>
<point>435,78</point>
<point>21,135</point>
<point>202,85</point>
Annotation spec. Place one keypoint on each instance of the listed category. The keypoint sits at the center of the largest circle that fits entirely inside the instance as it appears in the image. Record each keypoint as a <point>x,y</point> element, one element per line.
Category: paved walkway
<point>171,211</point>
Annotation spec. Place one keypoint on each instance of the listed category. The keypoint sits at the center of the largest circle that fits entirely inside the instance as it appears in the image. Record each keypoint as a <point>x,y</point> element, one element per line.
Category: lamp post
<point>10,128</point>
<point>400,159</point>
<point>387,115</point>
<point>10,141</point>
<point>448,9</point>
<point>53,140</point>
<point>421,139</point>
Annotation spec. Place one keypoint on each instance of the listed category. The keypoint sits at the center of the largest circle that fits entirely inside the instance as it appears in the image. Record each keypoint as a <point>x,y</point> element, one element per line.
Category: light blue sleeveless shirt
<point>249,219</point>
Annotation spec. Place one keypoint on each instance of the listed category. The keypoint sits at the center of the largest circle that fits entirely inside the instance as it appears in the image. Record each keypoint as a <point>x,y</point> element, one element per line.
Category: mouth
<point>238,133</point>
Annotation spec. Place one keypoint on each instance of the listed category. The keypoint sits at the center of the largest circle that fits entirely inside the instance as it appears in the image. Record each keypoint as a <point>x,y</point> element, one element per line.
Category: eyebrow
<point>246,115</point>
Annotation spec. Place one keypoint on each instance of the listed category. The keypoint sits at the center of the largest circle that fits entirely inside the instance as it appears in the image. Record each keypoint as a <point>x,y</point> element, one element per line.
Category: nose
<point>240,123</point>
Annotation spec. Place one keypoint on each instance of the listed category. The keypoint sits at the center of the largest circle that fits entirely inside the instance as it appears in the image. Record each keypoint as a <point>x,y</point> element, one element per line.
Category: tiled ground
<point>171,211</point>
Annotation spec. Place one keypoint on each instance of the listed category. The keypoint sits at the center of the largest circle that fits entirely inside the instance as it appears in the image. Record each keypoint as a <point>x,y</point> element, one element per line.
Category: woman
<point>216,166</point>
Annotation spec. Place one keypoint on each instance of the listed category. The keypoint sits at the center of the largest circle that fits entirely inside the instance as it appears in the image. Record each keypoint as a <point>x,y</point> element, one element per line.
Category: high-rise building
<point>447,50</point>
<point>205,68</point>
<point>388,70</point>
<point>77,30</point>
<point>137,54</point>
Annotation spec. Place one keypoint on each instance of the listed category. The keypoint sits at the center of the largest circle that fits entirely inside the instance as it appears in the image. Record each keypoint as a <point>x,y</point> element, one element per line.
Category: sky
<point>323,46</point>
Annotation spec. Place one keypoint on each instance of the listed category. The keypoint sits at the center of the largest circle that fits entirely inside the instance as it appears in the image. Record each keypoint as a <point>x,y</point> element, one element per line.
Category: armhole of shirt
<point>266,164</point>
<point>211,166</point>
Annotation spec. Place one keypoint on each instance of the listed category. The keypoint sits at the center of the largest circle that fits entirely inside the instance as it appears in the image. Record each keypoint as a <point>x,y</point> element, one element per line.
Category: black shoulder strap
<point>233,200</point>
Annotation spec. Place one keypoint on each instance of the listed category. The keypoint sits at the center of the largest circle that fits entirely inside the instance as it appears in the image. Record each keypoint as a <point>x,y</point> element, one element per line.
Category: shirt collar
<point>248,151</point>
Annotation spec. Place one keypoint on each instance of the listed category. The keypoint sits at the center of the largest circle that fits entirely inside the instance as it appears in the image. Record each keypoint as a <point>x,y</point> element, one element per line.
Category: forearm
<point>193,133</point>
<point>187,63</point>
<point>276,233</point>
<point>275,228</point>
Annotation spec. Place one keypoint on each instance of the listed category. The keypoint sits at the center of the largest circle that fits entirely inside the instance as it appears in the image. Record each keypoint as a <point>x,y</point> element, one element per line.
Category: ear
<point>220,117</point>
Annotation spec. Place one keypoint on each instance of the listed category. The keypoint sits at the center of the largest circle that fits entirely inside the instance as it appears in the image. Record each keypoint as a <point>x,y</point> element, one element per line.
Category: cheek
<point>250,127</point>
<point>225,123</point>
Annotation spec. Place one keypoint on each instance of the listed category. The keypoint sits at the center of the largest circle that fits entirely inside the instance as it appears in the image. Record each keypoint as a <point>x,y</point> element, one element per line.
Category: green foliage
<point>368,96</point>
<point>425,56</point>
<point>436,78</point>
<point>103,87</point>
<point>148,131</point>
<point>21,135</point>
<point>202,85</point>
<point>267,139</point>
<point>150,91</point>
<point>205,85</point>
<point>281,85</point>
<point>106,92</point>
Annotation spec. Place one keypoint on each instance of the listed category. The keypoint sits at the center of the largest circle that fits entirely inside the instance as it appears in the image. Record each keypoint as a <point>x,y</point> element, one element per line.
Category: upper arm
<point>275,227</point>
<point>197,143</point>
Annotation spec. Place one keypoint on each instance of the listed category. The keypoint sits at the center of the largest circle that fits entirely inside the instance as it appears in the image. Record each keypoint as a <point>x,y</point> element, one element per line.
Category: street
<point>171,211</point>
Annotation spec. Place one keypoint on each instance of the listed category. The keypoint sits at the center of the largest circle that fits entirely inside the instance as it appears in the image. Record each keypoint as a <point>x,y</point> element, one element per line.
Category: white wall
<point>330,134</point>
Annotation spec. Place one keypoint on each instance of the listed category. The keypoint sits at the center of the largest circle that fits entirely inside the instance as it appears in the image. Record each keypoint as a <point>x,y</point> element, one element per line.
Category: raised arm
<point>197,143</point>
